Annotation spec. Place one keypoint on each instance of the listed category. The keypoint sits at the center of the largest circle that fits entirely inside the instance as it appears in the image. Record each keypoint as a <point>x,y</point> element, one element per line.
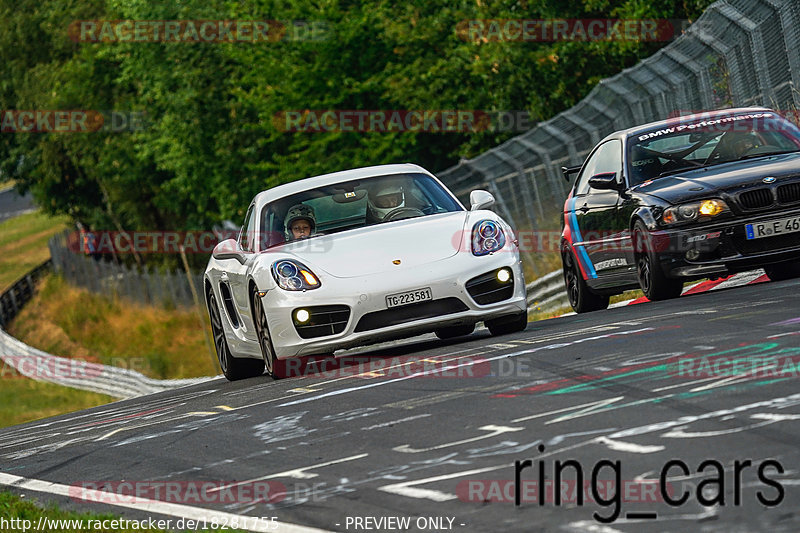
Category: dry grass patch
<point>72,322</point>
<point>23,244</point>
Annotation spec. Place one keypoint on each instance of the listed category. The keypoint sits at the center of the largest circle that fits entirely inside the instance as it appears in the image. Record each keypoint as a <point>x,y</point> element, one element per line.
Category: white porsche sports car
<point>358,257</point>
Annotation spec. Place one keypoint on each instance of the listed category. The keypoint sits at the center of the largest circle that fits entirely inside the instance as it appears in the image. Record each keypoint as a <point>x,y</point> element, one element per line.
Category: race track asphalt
<point>703,388</point>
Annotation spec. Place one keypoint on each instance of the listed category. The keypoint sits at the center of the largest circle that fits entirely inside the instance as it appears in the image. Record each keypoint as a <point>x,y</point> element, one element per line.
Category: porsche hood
<point>383,248</point>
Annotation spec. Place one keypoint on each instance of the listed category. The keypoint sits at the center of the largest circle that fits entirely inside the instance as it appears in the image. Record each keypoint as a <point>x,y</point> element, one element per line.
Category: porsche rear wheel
<point>581,297</point>
<point>782,271</point>
<point>271,362</point>
<point>506,324</point>
<point>655,285</point>
<point>233,368</point>
<point>455,331</point>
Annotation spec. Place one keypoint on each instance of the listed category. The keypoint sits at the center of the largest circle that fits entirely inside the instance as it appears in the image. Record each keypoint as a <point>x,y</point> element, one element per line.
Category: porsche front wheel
<point>233,368</point>
<point>262,333</point>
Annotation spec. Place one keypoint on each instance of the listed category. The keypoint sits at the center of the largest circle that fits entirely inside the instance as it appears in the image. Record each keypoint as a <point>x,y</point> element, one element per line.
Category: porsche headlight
<point>694,211</point>
<point>487,237</point>
<point>294,276</point>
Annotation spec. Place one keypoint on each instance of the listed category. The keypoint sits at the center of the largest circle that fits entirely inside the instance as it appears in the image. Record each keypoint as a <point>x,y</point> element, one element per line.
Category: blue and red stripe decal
<point>584,263</point>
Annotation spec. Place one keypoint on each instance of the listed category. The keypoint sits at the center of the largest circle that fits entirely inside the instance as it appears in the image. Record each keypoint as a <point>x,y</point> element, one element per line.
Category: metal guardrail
<point>547,293</point>
<point>737,53</point>
<point>13,298</point>
<point>42,366</point>
<point>112,381</point>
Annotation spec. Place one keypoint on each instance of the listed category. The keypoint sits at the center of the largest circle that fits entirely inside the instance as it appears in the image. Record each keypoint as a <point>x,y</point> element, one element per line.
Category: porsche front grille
<point>409,313</point>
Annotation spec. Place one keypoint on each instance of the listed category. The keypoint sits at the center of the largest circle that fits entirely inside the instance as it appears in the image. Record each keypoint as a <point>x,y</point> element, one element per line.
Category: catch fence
<point>738,53</point>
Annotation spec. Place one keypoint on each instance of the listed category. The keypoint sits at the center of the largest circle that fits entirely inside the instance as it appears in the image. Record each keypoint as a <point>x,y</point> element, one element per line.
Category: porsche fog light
<point>503,275</point>
<point>302,315</point>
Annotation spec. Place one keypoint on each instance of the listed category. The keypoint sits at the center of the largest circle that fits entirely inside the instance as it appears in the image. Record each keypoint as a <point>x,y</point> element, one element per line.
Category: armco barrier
<point>13,298</point>
<point>42,366</point>
<point>738,53</point>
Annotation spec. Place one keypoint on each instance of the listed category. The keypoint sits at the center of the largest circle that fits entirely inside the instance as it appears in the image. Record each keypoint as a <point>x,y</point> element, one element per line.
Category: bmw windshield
<point>684,144</point>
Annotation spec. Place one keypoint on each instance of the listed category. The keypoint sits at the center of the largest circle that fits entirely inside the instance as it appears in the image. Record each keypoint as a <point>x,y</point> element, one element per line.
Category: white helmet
<point>384,199</point>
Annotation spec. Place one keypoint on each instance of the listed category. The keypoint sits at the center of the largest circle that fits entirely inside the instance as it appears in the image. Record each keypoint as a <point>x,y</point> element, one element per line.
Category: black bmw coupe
<point>703,195</point>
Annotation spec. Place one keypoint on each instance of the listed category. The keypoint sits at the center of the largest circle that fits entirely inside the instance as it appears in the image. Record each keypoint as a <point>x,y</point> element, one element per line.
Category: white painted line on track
<point>153,506</point>
<point>297,473</point>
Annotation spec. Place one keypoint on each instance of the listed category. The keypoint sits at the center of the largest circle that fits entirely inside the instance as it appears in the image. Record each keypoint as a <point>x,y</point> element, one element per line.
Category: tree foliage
<point>212,140</point>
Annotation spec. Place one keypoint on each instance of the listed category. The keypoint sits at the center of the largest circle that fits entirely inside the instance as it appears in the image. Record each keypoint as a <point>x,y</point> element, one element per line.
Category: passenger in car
<point>300,222</point>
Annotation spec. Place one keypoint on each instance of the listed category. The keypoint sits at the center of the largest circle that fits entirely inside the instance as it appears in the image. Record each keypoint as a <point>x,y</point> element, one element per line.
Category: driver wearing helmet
<point>384,199</point>
<point>300,222</point>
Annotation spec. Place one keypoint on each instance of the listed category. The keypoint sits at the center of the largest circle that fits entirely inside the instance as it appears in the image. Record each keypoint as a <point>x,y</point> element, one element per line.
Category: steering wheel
<point>763,149</point>
<point>402,212</point>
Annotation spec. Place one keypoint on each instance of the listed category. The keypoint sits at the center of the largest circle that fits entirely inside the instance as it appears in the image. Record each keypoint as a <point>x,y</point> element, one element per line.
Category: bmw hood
<point>716,179</point>
<point>375,249</point>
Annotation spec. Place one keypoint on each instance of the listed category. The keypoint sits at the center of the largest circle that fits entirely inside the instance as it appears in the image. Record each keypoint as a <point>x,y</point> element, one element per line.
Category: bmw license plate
<point>408,297</point>
<point>759,230</point>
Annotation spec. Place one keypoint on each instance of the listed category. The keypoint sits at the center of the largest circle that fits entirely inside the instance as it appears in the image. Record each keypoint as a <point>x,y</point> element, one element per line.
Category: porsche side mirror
<point>606,181</point>
<point>228,249</point>
<point>480,199</point>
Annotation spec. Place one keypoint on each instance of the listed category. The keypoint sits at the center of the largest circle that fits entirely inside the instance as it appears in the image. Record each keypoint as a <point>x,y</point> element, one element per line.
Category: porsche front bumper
<point>370,320</point>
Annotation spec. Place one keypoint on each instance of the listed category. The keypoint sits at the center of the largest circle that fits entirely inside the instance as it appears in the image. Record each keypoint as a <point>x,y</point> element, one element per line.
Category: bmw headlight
<point>694,211</point>
<point>487,237</point>
<point>294,276</point>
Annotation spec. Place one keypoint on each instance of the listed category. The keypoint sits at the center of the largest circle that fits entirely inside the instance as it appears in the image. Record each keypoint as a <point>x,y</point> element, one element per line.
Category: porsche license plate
<point>408,297</point>
<point>759,230</point>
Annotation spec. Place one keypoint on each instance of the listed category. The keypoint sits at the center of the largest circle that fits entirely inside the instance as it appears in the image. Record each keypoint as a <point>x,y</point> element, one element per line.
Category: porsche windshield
<point>683,144</point>
<point>353,204</point>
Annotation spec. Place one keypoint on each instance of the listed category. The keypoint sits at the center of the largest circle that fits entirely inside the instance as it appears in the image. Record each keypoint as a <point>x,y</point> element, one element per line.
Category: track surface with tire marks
<point>603,385</point>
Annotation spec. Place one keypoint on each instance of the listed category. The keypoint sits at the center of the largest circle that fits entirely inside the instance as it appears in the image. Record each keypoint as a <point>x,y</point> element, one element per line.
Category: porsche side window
<point>248,229</point>
<point>607,158</point>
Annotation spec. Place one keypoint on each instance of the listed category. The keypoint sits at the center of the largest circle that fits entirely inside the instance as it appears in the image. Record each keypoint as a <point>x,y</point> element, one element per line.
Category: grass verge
<point>24,400</point>
<point>23,244</point>
<point>18,514</point>
<point>73,322</point>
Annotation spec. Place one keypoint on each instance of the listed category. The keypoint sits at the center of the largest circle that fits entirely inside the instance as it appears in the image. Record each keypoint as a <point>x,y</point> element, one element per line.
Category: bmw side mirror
<point>480,199</point>
<point>605,181</point>
<point>228,249</point>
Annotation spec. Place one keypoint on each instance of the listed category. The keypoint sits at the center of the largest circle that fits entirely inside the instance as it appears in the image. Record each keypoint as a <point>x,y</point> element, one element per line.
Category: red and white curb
<point>736,280</point>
